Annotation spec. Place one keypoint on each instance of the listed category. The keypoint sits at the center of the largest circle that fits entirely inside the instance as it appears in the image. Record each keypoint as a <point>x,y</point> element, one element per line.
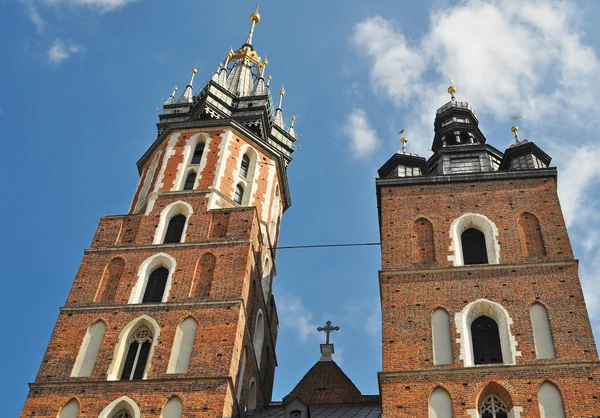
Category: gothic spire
<point>171,98</point>
<point>279,111</point>
<point>188,93</point>
<point>241,80</point>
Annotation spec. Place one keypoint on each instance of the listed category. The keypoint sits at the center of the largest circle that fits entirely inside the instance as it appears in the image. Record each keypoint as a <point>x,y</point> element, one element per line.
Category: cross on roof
<point>328,329</point>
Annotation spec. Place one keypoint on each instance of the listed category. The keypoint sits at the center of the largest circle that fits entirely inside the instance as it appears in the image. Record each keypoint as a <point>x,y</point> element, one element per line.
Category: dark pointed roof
<point>326,383</point>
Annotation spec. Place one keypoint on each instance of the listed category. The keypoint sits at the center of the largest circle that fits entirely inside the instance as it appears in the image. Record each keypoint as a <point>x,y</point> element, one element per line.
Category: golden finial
<point>452,89</point>
<point>282,91</point>
<point>269,78</point>
<point>515,128</point>
<point>404,140</point>
<point>194,71</point>
<point>219,66</point>
<point>175,88</point>
<point>293,118</point>
<point>255,17</point>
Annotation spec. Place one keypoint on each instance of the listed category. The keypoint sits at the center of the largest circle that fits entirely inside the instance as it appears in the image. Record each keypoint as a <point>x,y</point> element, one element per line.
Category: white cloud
<point>59,51</point>
<point>102,5</point>
<point>508,56</point>
<point>295,316</point>
<point>34,15</point>
<point>363,138</point>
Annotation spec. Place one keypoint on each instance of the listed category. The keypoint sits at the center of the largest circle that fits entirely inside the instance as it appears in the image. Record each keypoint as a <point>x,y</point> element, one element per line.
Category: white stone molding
<point>240,379</point>
<point>124,402</point>
<point>147,178</point>
<point>248,183</point>
<point>441,337</point>
<point>183,345</point>
<point>266,279</point>
<point>498,313</point>
<point>224,153</point>
<point>251,403</point>
<point>176,208</point>
<point>146,268</point>
<point>440,404</point>
<point>550,401</point>
<point>170,151</point>
<point>186,166</point>
<point>70,410</point>
<point>480,223</point>
<point>259,336</point>
<point>122,345</point>
<point>88,352</point>
<point>173,408</point>
<point>542,333</point>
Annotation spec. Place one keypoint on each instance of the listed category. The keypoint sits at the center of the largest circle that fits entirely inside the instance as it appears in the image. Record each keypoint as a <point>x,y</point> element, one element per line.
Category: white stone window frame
<point>251,402</point>
<point>481,223</point>
<point>259,337</point>
<point>121,347</point>
<point>495,311</point>
<point>186,166</point>
<point>146,268</point>
<point>248,183</point>
<point>178,343</point>
<point>83,354</point>
<point>176,208</point>
<point>266,279</point>
<point>124,402</point>
<point>67,411</point>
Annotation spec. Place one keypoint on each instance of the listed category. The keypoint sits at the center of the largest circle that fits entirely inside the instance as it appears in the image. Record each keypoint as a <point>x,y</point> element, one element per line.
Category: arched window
<point>440,404</point>
<point>175,229</point>
<point>207,270</point>
<point>423,250</point>
<point>86,359</point>
<point>473,247</point>
<point>239,194</point>
<point>70,410</point>
<point>266,279</point>
<point>122,414</point>
<point>155,288</point>
<point>252,396</point>
<point>111,279</point>
<point>441,337</point>
<point>197,157</point>
<point>550,401</point>
<point>190,180</point>
<point>542,334</point>
<point>244,166</point>
<point>486,341</point>
<point>240,377</point>
<point>530,232</point>
<point>137,354</point>
<point>493,407</point>
<point>183,345</point>
<point>173,408</point>
<point>259,336</point>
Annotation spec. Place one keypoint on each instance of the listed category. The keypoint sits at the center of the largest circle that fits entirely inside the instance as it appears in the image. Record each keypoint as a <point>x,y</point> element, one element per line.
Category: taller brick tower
<point>171,313</point>
<point>483,312</point>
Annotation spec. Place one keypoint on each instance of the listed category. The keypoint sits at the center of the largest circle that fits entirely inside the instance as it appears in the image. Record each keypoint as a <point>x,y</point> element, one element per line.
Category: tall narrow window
<point>182,346</point>
<point>486,341</point>
<point>474,247</point>
<point>197,157</point>
<point>173,408</point>
<point>155,288</point>
<point>252,396</point>
<point>530,232</point>
<point>240,377</point>
<point>244,166</point>
<point>239,194</point>
<point>441,337</point>
<point>542,334</point>
<point>137,354</point>
<point>175,229</point>
<point>84,365</point>
<point>111,279</point>
<point>190,180</point>
<point>422,241</point>
<point>70,410</point>
<point>259,336</point>
<point>440,404</point>
<point>493,407</point>
<point>207,270</point>
<point>550,401</point>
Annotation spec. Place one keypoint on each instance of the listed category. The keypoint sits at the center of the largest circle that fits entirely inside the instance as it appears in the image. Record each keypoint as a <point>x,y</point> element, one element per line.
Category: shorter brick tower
<point>482,309</point>
<point>171,313</point>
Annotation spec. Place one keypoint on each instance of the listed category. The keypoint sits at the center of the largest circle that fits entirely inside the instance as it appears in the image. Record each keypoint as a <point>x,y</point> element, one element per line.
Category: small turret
<point>278,117</point>
<point>188,93</point>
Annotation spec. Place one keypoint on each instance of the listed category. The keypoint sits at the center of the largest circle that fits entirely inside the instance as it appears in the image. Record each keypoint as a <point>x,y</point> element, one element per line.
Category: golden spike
<point>255,17</point>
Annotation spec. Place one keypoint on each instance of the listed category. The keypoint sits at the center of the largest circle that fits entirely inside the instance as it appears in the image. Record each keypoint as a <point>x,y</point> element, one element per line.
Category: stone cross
<point>328,329</point>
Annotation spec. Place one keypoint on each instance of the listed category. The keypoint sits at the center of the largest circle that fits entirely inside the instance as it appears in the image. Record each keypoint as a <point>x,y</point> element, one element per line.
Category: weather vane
<point>515,128</point>
<point>452,89</point>
<point>404,140</point>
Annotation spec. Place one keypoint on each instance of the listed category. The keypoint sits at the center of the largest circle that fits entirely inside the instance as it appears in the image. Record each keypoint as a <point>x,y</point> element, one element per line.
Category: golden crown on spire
<point>255,17</point>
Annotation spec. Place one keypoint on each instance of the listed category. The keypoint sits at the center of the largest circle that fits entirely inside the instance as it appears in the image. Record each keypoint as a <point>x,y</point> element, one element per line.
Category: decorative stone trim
<point>481,223</point>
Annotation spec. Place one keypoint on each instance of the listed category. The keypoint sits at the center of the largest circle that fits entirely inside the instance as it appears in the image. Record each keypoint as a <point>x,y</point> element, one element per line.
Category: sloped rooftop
<point>344,410</point>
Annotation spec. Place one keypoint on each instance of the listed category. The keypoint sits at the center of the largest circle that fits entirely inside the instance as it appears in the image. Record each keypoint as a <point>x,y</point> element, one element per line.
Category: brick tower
<point>483,312</point>
<point>171,313</point>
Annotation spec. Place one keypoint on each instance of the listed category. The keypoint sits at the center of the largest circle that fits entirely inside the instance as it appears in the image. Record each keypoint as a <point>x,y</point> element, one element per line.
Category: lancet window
<point>137,355</point>
<point>175,229</point>
<point>474,247</point>
<point>155,288</point>
<point>493,407</point>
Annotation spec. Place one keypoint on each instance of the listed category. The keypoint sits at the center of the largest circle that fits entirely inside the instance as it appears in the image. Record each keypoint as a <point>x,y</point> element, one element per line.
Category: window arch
<point>266,279</point>
<point>423,250</point>
<point>441,337</point>
<point>149,177</point>
<point>140,330</point>
<point>238,195</point>
<point>440,404</point>
<point>123,407</point>
<point>530,232</point>
<point>70,410</point>
<point>146,290</point>
<point>486,341</point>
<point>252,395</point>
<point>198,152</point>
<point>207,270</point>
<point>183,345</point>
<point>88,352</point>
<point>244,166</point>
<point>542,333</point>
<point>480,223</point>
<point>259,336</point>
<point>175,229</point>
<point>111,279</point>
<point>275,214</point>
<point>473,247</point>
<point>173,408</point>
<point>550,401</point>
<point>493,407</point>
<point>173,210</point>
<point>240,378</point>
<point>139,345</point>
<point>497,313</point>
<point>190,181</point>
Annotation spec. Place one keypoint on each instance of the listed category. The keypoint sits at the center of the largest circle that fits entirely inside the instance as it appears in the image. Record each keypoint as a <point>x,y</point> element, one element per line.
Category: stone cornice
<point>167,246</point>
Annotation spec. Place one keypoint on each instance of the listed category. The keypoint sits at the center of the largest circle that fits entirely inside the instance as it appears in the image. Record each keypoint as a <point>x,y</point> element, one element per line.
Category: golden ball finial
<point>293,118</point>
<point>269,78</point>
<point>282,91</point>
<point>404,140</point>
<point>452,89</point>
<point>514,129</point>
<point>175,88</point>
<point>255,17</point>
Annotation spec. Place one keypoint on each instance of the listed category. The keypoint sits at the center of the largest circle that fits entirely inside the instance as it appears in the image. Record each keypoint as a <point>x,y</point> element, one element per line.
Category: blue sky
<point>81,80</point>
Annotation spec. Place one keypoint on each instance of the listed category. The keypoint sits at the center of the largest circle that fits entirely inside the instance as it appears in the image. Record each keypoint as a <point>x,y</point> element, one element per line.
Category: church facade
<point>171,313</point>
